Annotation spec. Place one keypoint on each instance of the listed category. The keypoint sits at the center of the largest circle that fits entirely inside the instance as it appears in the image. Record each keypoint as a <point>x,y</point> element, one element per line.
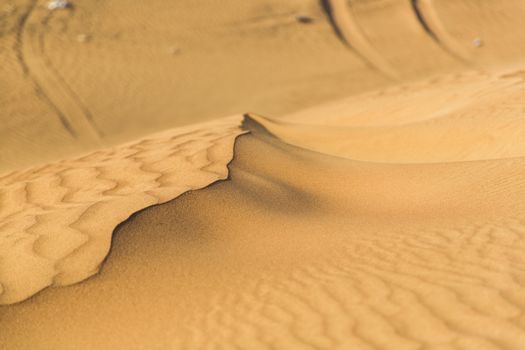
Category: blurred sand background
<point>103,72</point>
<point>372,200</point>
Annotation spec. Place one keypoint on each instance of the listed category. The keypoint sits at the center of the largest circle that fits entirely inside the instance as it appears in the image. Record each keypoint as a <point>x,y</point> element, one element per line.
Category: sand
<point>362,256</point>
<point>58,219</point>
<point>155,65</point>
<point>367,192</point>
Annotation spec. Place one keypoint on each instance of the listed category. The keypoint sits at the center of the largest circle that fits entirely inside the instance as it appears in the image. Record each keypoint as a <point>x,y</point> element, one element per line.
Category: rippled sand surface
<point>374,198</point>
<point>58,219</point>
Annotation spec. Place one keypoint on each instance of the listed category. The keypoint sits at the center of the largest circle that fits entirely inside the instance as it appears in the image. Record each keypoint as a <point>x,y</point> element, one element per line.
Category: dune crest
<point>454,118</point>
<point>56,220</point>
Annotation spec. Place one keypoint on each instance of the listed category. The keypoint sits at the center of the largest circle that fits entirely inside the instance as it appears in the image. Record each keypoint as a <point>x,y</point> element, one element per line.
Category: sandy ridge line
<point>348,30</point>
<point>56,221</point>
<point>343,19</point>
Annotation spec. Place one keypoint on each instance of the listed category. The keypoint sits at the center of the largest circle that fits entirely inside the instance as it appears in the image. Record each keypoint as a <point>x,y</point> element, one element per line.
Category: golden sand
<point>57,220</point>
<point>372,200</point>
<point>361,256</point>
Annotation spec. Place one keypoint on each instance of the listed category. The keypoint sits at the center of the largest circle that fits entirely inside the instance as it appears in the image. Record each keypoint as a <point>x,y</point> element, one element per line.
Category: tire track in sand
<point>429,20</point>
<point>48,84</point>
<point>348,30</point>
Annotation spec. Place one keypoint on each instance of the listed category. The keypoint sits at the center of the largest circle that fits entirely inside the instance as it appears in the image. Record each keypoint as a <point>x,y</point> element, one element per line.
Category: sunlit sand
<point>262,175</point>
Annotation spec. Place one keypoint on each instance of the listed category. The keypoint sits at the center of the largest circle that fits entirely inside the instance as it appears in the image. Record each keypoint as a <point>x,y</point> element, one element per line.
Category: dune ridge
<point>56,220</point>
<point>56,61</point>
<point>406,136</point>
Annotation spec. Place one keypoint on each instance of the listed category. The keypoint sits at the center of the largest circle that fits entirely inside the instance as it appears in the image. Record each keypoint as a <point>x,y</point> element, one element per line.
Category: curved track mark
<point>49,86</point>
<point>345,26</point>
<point>429,20</point>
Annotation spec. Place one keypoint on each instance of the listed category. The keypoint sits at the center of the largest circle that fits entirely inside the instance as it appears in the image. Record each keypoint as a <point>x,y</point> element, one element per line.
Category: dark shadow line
<point>422,21</point>
<point>39,91</point>
<point>327,8</point>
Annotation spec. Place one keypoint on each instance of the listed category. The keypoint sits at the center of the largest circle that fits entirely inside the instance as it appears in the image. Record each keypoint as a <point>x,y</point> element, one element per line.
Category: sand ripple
<point>301,250</point>
<point>56,220</point>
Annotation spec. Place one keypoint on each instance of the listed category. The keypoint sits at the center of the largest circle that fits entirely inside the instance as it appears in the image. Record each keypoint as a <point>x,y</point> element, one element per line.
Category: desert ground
<point>263,174</point>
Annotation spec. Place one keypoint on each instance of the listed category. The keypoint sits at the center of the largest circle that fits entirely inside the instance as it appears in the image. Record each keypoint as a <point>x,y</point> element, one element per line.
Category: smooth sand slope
<point>81,74</point>
<point>467,116</point>
<point>373,200</point>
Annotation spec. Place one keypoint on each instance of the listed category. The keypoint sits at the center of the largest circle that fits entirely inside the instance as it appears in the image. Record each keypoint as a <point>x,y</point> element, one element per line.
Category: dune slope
<point>362,255</point>
<point>374,200</point>
<point>101,73</point>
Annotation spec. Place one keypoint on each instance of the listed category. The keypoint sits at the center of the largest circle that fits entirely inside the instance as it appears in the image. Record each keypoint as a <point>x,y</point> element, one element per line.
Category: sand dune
<point>57,220</point>
<point>361,256</point>
<point>458,119</point>
<point>372,200</point>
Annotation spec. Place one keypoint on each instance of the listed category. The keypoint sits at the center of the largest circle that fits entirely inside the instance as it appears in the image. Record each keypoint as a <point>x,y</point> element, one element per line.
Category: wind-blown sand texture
<point>364,255</point>
<point>56,220</point>
<point>81,73</point>
<point>373,200</point>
